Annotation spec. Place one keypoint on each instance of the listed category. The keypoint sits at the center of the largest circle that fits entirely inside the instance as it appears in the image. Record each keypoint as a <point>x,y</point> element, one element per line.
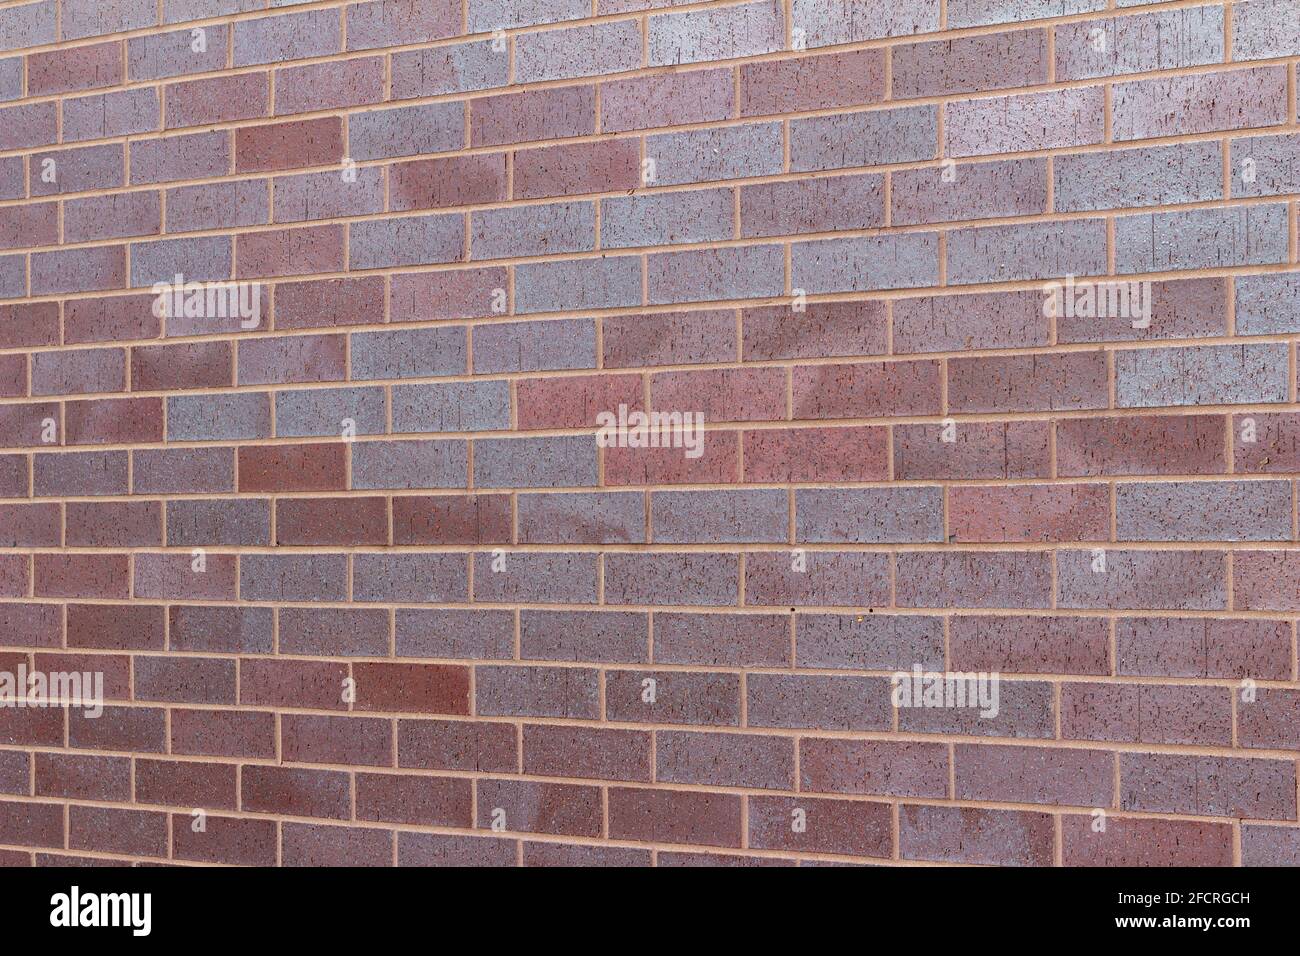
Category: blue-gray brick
<point>406,131</point>
<point>32,24</point>
<point>293,577</point>
<point>295,36</point>
<point>11,78</point>
<point>1203,511</point>
<point>828,22</point>
<point>1266,165</point>
<point>320,412</point>
<point>455,633</point>
<point>536,578</point>
<point>706,155</point>
<point>1167,40</point>
<point>869,642</point>
<point>868,515</point>
<point>699,275</point>
<point>327,196</point>
<point>1202,375</point>
<point>711,580</point>
<point>975,13</point>
<point>409,577</point>
<point>1262,29</point>
<point>663,219</point>
<point>591,50</point>
<point>875,138</point>
<point>717,34</point>
<point>1202,238</point>
<point>903,261</point>
<point>198,259</point>
<point>488,15</point>
<point>412,240</point>
<point>742,517</point>
<point>1268,304</point>
<point>603,283</point>
<point>408,353</point>
<point>534,346</point>
<point>110,114</point>
<point>410,464</point>
<point>533,230</point>
<point>598,517</point>
<point>562,461</point>
<point>1154,176</point>
<point>229,523</point>
<point>1029,251</point>
<point>462,68</point>
<point>451,407</point>
<point>230,417</point>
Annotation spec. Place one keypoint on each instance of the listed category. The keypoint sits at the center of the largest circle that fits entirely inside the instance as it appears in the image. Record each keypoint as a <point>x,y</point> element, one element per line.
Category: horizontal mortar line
<point>938,418</point>
<point>554,374</point>
<point>461,492</point>
<point>793,238</point>
<point>1116,748</point>
<point>1049,809</point>
<point>616,667</point>
<point>707,547</point>
<point>840,295</point>
<point>575,723</point>
<point>1280,616</point>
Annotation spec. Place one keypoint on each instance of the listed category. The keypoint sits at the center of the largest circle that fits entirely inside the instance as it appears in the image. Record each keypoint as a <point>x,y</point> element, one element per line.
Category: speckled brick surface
<point>650,432</point>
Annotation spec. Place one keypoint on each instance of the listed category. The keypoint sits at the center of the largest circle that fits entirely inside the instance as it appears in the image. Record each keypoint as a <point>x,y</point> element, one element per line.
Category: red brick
<point>1266,580</point>
<point>79,68</point>
<point>179,367</point>
<point>186,783</point>
<point>1029,645</point>
<point>819,825</point>
<point>674,816</point>
<point>451,519</point>
<point>412,688</point>
<point>357,741</point>
<point>297,792</point>
<point>82,575</point>
<point>1144,842</point>
<point>116,627</point>
<point>331,521</point>
<point>1142,445</point>
<point>282,252</point>
<point>1021,513</point>
<point>427,801</point>
<point>238,841</point>
<point>220,99</point>
<point>456,181</point>
<point>851,79</point>
<point>314,467</point>
<point>294,145</point>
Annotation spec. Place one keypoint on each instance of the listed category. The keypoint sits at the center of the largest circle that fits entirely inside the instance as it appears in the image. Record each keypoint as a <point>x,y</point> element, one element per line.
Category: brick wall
<point>364,581</point>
